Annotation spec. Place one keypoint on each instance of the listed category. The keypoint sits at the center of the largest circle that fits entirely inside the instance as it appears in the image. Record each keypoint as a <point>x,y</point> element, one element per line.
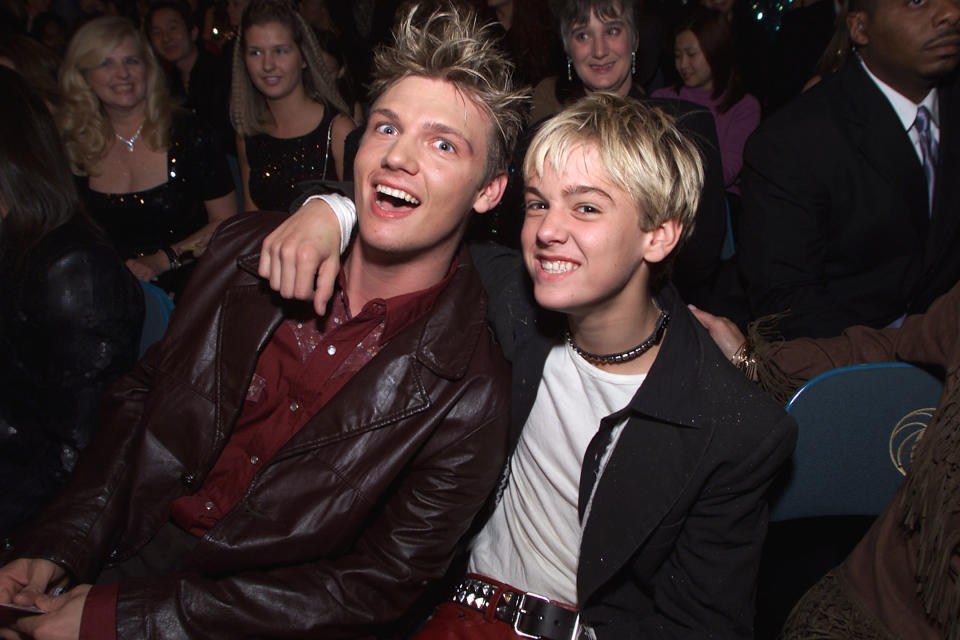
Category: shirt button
<point>294,405</point>
<point>254,459</point>
<point>331,349</point>
<point>208,506</point>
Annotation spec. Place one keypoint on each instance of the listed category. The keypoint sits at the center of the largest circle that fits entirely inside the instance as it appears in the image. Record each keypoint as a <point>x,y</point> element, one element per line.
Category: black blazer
<point>835,221</point>
<point>672,542</point>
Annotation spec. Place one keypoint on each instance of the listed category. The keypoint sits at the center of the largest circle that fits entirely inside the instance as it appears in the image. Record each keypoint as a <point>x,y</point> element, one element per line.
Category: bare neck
<point>125,122</point>
<point>369,274</point>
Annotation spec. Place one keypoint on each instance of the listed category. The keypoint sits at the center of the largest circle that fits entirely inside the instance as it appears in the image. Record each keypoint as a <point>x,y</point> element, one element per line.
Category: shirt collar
<point>904,107</point>
<point>400,311</point>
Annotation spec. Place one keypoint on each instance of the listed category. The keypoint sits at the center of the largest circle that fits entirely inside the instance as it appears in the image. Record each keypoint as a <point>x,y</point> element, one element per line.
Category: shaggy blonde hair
<point>86,130</point>
<point>249,112</point>
<point>450,44</point>
<point>642,153</point>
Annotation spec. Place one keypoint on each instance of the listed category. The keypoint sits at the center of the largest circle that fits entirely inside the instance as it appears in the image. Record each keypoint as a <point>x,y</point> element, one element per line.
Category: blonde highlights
<point>249,112</point>
<point>83,123</point>
<point>449,44</point>
<point>642,153</point>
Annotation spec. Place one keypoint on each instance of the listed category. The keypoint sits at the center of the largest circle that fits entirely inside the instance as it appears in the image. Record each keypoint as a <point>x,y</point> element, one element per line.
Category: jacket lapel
<point>640,485</point>
<point>248,318</point>
<point>878,135</point>
<point>946,202</point>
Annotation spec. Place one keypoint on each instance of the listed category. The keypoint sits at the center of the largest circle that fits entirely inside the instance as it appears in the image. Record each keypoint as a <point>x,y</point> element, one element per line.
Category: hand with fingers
<point>723,331</point>
<point>61,620</point>
<point>25,582</point>
<point>301,257</point>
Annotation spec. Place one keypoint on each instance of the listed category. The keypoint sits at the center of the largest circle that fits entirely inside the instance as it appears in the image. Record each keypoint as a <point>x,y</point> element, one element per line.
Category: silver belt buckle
<point>521,611</point>
<point>574,635</point>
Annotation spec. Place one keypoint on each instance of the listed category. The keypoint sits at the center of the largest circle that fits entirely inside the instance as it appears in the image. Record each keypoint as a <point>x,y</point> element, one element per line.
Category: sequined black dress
<point>277,165</point>
<point>142,222</point>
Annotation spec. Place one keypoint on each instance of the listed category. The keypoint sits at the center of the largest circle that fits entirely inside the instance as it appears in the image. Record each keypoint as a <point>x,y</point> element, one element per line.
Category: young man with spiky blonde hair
<point>633,505</point>
<point>267,471</point>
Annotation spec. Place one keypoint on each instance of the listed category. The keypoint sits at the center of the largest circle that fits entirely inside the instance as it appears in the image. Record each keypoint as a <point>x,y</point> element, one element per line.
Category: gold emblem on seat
<point>905,436</point>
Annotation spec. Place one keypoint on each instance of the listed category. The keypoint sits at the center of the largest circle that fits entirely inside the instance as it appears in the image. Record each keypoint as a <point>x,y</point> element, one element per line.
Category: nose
<point>268,62</point>
<point>550,229</point>
<point>948,12</point>
<point>400,155</point>
<point>124,70</point>
<point>600,47</point>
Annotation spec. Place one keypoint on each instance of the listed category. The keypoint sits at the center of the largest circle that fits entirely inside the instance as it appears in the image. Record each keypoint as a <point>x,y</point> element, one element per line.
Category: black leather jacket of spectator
<point>70,325</point>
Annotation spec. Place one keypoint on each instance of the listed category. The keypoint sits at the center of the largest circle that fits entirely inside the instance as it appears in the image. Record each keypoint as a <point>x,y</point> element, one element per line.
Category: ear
<point>856,21</point>
<point>662,240</point>
<point>194,33</point>
<point>490,193</point>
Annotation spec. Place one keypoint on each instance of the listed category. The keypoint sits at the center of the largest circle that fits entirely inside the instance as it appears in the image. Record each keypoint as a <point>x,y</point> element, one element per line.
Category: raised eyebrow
<point>447,130</point>
<point>389,114</point>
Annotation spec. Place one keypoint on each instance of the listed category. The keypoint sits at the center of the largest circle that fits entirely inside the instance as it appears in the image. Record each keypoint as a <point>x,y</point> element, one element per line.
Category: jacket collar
<point>447,336</point>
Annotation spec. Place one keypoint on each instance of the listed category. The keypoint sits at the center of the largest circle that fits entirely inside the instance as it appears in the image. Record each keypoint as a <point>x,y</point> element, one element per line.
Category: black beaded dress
<point>277,165</point>
<point>142,222</point>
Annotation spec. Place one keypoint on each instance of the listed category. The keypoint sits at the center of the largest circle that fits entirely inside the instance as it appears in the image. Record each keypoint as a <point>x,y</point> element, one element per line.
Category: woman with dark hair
<point>71,314</point>
<point>154,177</point>
<point>290,119</point>
<point>705,57</point>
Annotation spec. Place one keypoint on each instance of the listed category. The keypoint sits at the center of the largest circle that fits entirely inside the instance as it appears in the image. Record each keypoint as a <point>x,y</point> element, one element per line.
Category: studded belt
<point>530,615</point>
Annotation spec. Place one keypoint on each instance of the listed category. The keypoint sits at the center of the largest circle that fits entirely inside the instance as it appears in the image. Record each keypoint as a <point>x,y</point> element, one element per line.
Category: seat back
<point>157,309</point>
<point>857,429</point>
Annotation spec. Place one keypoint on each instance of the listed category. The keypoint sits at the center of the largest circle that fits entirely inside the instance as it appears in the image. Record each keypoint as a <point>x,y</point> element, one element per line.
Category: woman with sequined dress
<point>290,118</point>
<point>153,177</point>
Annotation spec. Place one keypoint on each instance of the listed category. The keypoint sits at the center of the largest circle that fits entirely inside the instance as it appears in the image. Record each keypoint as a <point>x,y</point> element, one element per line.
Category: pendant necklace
<point>129,141</point>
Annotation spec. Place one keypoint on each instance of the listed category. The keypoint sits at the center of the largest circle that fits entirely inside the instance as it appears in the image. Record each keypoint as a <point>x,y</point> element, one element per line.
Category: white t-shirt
<point>532,541</point>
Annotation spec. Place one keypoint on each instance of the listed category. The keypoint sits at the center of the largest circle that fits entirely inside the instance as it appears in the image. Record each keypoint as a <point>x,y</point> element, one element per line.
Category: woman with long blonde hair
<point>290,119</point>
<point>152,176</point>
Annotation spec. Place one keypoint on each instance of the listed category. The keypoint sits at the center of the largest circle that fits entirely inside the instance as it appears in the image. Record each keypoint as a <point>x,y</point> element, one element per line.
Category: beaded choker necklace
<point>624,356</point>
<point>130,141</point>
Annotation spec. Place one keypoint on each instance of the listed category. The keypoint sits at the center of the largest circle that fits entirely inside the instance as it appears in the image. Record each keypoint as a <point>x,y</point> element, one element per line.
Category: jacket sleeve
<point>787,206</point>
<point>409,543</point>
<point>77,530</point>
<point>705,588</point>
<point>932,338</point>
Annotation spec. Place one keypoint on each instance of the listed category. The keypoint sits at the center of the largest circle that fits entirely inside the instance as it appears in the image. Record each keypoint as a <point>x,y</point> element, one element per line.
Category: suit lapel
<point>881,141</point>
<point>946,203</point>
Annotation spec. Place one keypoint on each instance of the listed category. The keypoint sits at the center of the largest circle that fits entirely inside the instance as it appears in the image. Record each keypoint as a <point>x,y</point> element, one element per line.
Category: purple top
<point>733,127</point>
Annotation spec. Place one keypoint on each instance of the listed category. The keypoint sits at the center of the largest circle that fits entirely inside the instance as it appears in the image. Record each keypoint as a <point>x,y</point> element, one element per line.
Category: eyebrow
<point>571,191</point>
<point>431,126</point>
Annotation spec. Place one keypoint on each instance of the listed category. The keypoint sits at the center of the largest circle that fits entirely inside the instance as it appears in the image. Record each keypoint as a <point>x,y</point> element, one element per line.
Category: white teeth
<point>558,266</point>
<point>397,193</point>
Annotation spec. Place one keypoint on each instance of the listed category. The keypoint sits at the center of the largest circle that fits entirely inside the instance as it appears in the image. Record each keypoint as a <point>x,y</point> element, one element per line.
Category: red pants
<point>454,621</point>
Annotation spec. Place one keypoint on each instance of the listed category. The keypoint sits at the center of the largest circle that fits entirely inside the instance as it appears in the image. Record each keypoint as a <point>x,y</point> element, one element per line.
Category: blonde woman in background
<point>153,177</point>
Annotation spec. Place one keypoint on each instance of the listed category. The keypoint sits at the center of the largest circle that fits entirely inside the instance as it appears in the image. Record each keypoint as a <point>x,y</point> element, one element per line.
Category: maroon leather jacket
<point>340,532</point>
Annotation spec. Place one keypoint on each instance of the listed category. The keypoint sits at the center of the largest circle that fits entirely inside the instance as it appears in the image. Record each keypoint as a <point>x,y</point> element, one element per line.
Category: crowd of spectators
<point>827,134</point>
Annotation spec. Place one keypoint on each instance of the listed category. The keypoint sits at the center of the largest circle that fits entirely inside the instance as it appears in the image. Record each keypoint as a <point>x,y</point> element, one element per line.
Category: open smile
<point>553,266</point>
<point>393,202</point>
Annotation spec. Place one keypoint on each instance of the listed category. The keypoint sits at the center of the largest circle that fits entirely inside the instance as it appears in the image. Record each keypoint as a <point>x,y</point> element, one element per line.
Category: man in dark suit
<point>851,206</point>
